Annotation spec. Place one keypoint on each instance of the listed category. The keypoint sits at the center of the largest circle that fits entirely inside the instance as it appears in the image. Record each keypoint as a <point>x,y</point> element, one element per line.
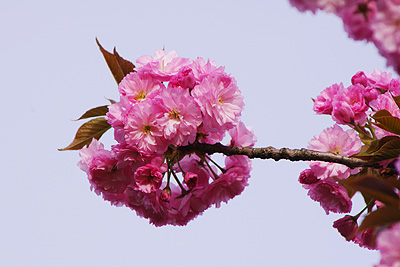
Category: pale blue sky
<point>52,71</point>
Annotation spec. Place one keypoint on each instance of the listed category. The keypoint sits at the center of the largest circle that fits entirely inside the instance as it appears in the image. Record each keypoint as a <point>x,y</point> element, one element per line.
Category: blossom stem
<point>371,202</point>
<point>216,164</point>
<point>362,131</point>
<point>212,171</point>
<point>184,192</point>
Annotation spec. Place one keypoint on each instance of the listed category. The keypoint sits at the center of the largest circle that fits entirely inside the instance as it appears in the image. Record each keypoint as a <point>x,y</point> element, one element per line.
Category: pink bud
<point>307,177</point>
<point>347,227</point>
<point>190,180</point>
<point>184,78</point>
<point>165,194</point>
<point>360,78</point>
<point>148,178</point>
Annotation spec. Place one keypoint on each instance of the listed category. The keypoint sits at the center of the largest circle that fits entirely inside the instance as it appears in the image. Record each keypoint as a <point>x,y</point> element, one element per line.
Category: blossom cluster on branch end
<point>167,102</point>
<point>370,108</point>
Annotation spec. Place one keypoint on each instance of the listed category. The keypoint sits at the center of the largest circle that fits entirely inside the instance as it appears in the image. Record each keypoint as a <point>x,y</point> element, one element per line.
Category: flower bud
<point>307,177</point>
<point>347,227</point>
<point>166,194</point>
<point>184,79</point>
<point>190,180</point>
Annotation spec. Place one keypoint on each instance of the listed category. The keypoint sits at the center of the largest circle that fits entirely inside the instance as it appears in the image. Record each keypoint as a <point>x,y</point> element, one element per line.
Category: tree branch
<point>277,154</point>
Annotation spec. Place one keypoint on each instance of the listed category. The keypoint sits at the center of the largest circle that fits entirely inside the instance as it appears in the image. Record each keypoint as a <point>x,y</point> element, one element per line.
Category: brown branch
<point>277,154</point>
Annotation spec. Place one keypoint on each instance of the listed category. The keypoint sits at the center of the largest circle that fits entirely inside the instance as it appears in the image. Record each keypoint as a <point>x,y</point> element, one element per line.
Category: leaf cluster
<point>96,127</point>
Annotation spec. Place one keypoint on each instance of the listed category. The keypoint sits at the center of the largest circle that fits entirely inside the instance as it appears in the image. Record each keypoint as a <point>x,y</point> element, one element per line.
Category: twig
<point>277,154</point>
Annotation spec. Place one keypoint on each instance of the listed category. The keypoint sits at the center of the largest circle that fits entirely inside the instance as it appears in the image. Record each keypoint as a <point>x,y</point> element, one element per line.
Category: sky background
<point>52,72</point>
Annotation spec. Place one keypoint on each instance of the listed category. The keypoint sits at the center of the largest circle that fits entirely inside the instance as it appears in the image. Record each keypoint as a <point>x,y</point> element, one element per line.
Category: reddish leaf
<point>397,100</point>
<point>350,191</point>
<point>94,112</point>
<point>388,151</point>
<point>377,144</point>
<point>367,151</point>
<point>375,187</point>
<point>394,182</point>
<point>92,129</point>
<point>125,65</point>
<point>387,122</point>
<point>382,216</point>
<point>112,63</point>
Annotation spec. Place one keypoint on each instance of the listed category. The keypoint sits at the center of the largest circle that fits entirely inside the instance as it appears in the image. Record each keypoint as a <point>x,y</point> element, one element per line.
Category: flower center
<point>140,95</point>
<point>335,150</point>
<point>174,114</point>
<point>220,100</point>
<point>146,129</point>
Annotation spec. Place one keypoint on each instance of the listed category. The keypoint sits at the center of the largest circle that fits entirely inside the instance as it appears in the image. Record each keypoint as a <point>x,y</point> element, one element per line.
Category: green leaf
<point>94,112</point>
<point>375,187</point>
<point>387,122</point>
<point>92,129</point>
<point>119,67</point>
<point>382,216</point>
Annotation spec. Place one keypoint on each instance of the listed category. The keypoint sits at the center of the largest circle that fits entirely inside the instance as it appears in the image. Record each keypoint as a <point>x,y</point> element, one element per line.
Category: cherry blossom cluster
<point>375,21</point>
<point>351,107</point>
<point>166,103</point>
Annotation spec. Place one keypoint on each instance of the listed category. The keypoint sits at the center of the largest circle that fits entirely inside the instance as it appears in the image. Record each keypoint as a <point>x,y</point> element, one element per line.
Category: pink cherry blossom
<point>386,26</point>
<point>333,6</point>
<point>104,177</point>
<point>332,196</point>
<point>116,116</point>
<point>388,243</point>
<point>220,101</point>
<point>163,65</point>
<point>148,178</point>
<point>347,227</point>
<point>193,164</point>
<point>191,180</point>
<point>205,136</point>
<point>307,177</point>
<point>185,78</point>
<point>202,69</point>
<point>360,78</point>
<point>142,130</point>
<point>148,205</point>
<point>165,194</point>
<point>188,207</point>
<point>386,101</point>
<point>356,19</point>
<point>394,87</point>
<point>229,184</point>
<point>366,238</point>
<point>179,116</point>
<point>127,155</point>
<point>242,135</point>
<point>323,103</point>
<point>349,105</point>
<point>335,140</point>
<point>379,79</point>
<point>137,86</point>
